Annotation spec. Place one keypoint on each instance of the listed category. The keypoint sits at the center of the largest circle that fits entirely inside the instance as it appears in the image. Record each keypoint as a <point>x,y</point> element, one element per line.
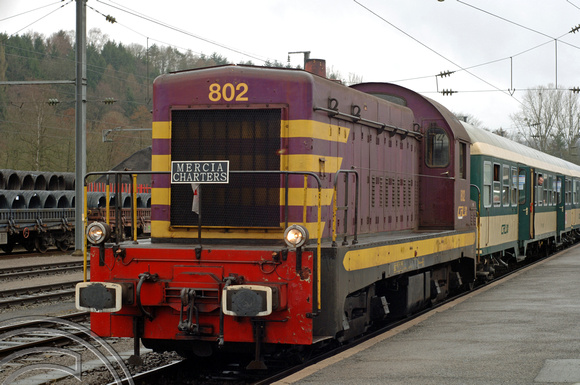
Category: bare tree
<point>549,121</point>
<point>567,133</point>
<point>468,118</point>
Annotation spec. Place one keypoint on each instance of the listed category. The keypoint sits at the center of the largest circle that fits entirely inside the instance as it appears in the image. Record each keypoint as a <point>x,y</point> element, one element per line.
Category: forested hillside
<point>37,122</point>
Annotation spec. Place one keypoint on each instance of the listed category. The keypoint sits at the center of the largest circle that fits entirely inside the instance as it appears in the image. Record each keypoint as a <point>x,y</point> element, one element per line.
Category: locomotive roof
<point>422,107</point>
<point>488,143</point>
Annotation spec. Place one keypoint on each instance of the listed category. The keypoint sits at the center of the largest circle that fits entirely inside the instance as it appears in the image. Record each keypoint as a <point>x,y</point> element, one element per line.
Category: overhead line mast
<point>81,124</point>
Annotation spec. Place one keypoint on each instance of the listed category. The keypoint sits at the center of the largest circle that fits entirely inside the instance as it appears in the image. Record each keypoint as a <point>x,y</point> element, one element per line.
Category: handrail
<point>118,202</point>
<point>478,252</point>
<point>379,126</point>
<point>345,208</point>
<point>286,209</point>
<point>133,174</point>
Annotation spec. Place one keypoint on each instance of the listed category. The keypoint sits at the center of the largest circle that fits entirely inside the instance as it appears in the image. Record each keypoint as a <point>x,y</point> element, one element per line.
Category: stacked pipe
<point>36,189</point>
<point>36,180</point>
<point>31,198</point>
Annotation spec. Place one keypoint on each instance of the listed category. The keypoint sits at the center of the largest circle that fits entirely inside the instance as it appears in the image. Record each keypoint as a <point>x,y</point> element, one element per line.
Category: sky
<point>497,48</point>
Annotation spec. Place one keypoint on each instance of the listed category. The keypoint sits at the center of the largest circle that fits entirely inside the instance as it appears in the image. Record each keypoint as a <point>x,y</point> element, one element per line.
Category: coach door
<point>560,205</point>
<point>525,205</point>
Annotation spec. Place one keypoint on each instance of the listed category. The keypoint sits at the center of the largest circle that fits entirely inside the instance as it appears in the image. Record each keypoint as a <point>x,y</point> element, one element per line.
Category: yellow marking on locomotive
<point>315,130</point>
<point>290,129</point>
<point>377,256</point>
<point>161,130</point>
<point>311,162</point>
<point>296,197</point>
<point>160,196</point>
<point>161,162</point>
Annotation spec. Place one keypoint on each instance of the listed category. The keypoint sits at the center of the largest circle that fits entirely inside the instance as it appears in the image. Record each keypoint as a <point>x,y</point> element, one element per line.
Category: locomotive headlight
<point>296,236</point>
<point>98,232</point>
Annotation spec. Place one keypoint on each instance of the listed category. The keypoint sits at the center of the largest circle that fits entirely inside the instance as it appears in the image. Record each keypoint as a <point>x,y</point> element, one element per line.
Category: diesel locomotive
<point>289,210</point>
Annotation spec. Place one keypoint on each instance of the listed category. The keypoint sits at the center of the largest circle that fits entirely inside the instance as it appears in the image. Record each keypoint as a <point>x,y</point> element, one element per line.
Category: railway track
<point>36,294</point>
<point>10,273</point>
<point>39,350</point>
<point>33,339</point>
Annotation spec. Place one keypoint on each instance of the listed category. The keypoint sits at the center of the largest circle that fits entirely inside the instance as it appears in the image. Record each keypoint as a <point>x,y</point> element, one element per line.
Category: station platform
<point>523,330</point>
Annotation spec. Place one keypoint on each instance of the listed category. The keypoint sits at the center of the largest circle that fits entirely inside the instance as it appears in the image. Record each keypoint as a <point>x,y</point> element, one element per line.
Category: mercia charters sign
<point>214,171</point>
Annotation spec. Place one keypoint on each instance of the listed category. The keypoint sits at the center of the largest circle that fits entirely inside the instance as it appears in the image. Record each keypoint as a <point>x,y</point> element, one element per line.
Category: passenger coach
<point>529,199</point>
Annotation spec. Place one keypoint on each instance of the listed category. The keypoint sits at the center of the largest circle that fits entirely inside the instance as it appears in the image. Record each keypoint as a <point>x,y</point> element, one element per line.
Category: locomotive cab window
<point>437,148</point>
<point>463,160</point>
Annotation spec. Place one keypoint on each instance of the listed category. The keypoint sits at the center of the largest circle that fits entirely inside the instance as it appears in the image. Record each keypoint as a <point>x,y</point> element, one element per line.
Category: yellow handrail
<point>134,207</point>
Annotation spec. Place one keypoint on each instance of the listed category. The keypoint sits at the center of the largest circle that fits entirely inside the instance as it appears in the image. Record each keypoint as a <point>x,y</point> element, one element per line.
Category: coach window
<point>575,191</point>
<point>559,192</point>
<point>487,178</point>
<point>505,177</point>
<point>514,185</point>
<point>539,189</point>
<point>554,189</point>
<point>568,192</point>
<point>496,185</point>
<point>522,186</point>
<point>548,190</point>
<point>437,148</point>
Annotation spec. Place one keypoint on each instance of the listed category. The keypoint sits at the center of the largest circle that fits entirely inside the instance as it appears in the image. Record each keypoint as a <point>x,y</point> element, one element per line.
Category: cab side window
<point>437,154</point>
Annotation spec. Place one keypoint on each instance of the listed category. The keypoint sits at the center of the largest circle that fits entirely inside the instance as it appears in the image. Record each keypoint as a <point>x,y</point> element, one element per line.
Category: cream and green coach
<point>528,201</point>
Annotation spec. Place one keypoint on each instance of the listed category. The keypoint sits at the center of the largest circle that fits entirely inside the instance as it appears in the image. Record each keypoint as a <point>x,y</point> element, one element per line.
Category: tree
<point>567,132</point>
<point>3,67</point>
<point>333,74</point>
<point>468,118</point>
<point>549,121</point>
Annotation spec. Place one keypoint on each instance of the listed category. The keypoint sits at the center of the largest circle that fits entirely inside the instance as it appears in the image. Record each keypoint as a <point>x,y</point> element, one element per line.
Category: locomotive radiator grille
<point>250,140</point>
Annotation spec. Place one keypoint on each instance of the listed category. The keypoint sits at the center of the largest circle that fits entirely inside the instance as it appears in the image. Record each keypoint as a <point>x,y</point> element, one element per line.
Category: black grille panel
<point>250,140</point>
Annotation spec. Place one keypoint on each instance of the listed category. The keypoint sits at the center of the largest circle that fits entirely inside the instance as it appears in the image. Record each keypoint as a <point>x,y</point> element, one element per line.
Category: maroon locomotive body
<point>287,209</point>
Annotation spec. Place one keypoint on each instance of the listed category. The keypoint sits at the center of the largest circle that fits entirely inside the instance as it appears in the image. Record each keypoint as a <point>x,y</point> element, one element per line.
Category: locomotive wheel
<point>40,245</point>
<point>63,245</point>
